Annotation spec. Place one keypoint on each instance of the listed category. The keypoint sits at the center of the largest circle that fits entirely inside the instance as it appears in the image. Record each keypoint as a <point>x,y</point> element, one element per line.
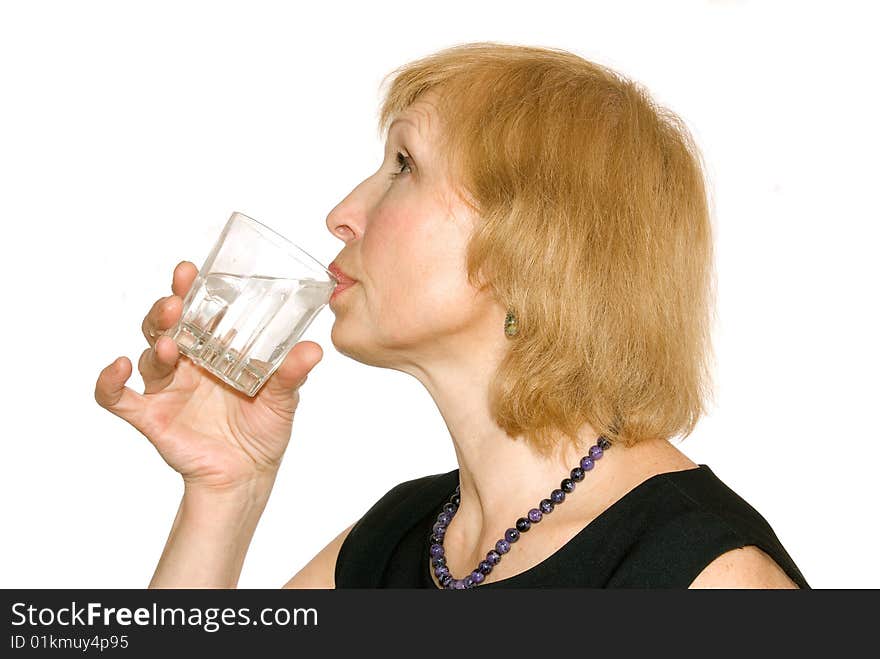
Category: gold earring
<point>510,328</point>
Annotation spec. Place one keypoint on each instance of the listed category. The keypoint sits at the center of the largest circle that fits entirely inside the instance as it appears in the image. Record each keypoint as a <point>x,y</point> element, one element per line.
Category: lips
<point>343,279</point>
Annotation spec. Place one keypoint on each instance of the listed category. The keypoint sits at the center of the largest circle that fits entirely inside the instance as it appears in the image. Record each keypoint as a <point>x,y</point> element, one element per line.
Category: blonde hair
<point>594,228</point>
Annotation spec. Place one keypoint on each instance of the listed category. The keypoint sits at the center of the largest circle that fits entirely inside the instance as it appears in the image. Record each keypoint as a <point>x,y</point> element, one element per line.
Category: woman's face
<point>405,236</point>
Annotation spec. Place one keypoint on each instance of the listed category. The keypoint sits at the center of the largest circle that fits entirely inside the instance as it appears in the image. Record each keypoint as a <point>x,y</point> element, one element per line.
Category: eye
<point>403,162</point>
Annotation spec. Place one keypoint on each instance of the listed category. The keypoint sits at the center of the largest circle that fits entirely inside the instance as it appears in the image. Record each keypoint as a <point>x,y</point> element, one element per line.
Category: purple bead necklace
<point>523,524</point>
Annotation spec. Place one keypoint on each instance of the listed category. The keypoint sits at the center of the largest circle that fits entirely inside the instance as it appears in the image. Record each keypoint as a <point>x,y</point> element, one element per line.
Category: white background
<point>130,131</point>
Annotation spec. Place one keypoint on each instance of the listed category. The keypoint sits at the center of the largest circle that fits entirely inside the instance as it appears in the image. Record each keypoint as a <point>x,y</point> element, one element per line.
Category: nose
<point>346,220</point>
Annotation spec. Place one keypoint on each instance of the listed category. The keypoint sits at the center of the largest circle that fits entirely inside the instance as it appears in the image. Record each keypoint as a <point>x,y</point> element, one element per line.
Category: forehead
<point>421,114</point>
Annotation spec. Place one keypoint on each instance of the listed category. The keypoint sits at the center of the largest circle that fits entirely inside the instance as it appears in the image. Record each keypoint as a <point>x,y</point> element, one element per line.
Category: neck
<point>502,477</point>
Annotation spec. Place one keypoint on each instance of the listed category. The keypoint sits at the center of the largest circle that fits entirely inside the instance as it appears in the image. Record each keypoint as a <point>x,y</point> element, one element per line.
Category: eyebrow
<point>405,121</point>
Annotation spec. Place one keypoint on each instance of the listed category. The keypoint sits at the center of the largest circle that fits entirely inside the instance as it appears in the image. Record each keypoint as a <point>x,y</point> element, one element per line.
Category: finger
<point>166,311</point>
<point>281,390</point>
<point>185,273</point>
<point>112,394</point>
<point>163,314</point>
<point>157,364</point>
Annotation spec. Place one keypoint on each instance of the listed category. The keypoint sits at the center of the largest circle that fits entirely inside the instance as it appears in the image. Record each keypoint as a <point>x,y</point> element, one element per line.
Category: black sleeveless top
<point>661,534</point>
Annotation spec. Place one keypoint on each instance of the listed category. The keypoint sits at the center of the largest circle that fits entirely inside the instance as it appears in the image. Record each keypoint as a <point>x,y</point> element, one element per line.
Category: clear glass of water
<point>253,298</point>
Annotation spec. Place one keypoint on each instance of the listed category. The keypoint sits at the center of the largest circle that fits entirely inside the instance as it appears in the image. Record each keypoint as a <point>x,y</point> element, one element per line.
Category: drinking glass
<point>253,298</point>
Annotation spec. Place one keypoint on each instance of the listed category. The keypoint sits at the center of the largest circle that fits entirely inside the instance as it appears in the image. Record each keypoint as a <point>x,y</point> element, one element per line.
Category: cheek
<point>415,263</point>
<point>400,249</point>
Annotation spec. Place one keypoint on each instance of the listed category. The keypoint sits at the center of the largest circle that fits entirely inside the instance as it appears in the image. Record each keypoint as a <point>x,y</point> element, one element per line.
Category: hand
<point>216,437</point>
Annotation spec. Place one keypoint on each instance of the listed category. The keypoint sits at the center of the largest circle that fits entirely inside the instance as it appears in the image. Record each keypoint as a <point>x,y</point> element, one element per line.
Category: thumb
<point>281,386</point>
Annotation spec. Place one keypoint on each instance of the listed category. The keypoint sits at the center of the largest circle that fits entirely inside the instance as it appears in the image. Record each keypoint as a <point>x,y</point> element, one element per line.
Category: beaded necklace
<point>523,524</point>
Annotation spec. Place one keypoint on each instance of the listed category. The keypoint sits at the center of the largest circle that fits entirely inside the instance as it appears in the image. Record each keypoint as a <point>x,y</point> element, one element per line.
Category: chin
<point>347,343</point>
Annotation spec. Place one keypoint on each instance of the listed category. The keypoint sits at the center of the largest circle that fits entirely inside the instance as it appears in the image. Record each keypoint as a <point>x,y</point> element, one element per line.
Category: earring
<point>510,328</point>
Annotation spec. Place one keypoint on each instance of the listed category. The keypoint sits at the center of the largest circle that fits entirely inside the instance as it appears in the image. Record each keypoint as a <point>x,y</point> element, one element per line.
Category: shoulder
<point>743,539</point>
<point>403,505</point>
<point>695,532</point>
<point>371,541</point>
<point>744,567</point>
<point>320,571</point>
<point>410,491</point>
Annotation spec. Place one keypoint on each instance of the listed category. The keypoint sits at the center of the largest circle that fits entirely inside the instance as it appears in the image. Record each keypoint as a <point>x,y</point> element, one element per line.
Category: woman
<point>536,250</point>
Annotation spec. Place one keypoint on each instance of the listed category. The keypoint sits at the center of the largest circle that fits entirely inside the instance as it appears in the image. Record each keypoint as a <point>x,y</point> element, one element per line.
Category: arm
<point>320,571</point>
<point>210,537</point>
<point>746,567</point>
